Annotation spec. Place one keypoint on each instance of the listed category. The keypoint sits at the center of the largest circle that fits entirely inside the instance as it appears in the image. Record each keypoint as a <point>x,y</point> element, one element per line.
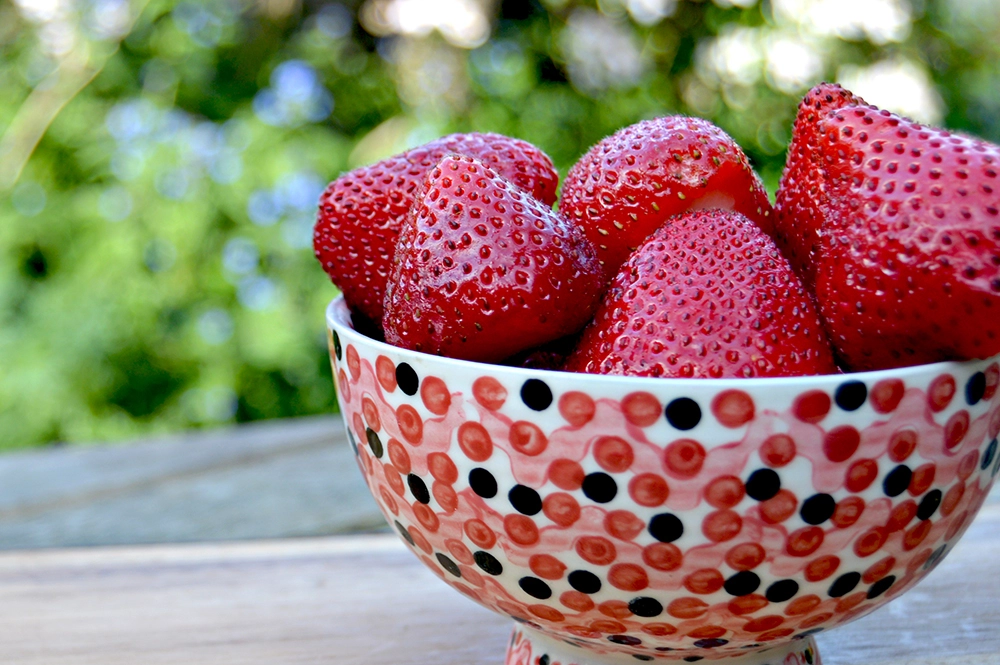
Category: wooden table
<point>366,600</point>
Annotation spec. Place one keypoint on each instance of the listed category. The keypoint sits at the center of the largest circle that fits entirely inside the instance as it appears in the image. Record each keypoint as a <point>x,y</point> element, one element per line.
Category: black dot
<point>584,581</point>
<point>448,565</point>
<point>419,488</point>
<point>404,533</point>
<point>710,643</point>
<point>353,440</point>
<point>929,504</point>
<point>645,607</point>
<point>991,450</point>
<point>781,591</point>
<point>763,484</point>
<point>851,395</point>
<point>818,508</point>
<point>535,588</point>
<point>374,442</point>
<point>599,487</point>
<point>935,557</point>
<point>407,379</point>
<point>975,388</point>
<point>536,394</point>
<point>844,584</point>
<point>666,527</point>
<point>807,633</point>
<point>742,583</point>
<point>625,639</point>
<point>337,348</point>
<point>693,659</point>
<point>483,483</point>
<point>897,480</point>
<point>525,500</point>
<point>683,413</point>
<point>543,659</point>
<point>642,656</point>
<point>488,562</point>
<point>881,586</point>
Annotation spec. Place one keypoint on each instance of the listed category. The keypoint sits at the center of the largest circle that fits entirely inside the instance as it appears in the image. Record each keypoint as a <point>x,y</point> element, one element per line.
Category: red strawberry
<point>907,268</point>
<point>627,185</point>
<point>707,295</point>
<point>483,270</point>
<point>361,212</point>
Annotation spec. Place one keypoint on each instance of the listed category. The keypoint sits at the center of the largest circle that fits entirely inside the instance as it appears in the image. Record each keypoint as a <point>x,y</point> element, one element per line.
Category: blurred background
<point>160,160</point>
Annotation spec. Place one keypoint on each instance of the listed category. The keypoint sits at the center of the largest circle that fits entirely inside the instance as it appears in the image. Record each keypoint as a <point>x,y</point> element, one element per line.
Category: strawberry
<point>907,263</point>
<point>361,212</point>
<point>484,271</point>
<point>627,185</point>
<point>707,295</point>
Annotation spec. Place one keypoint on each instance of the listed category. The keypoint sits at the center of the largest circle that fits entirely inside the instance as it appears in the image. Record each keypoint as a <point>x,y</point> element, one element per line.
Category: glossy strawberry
<point>627,185</point>
<point>708,295</point>
<point>484,271</point>
<point>907,266</point>
<point>361,212</point>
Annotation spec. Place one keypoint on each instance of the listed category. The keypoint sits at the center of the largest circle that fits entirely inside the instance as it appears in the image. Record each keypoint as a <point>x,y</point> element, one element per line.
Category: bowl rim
<point>338,318</point>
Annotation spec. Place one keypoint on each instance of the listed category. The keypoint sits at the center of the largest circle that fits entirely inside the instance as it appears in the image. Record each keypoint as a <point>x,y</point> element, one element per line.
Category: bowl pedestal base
<point>530,647</point>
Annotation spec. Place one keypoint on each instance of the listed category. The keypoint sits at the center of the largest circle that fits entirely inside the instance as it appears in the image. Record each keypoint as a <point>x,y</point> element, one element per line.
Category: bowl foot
<point>530,647</point>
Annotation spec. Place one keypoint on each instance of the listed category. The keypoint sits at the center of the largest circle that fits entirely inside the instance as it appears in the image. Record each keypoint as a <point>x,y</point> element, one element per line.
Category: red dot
<point>804,541</point>
<point>968,464</point>
<point>576,601</point>
<point>802,605</point>
<point>546,566</point>
<point>435,395</point>
<point>446,497</point>
<point>398,455</point>
<point>659,629</point>
<point>722,525</point>
<point>389,502</point>
<point>371,413</point>
<point>840,443</point>
<point>848,511</point>
<point>662,556</point>
<point>733,408</point>
<point>778,450</point>
<point>577,408</point>
<point>385,370</point>
<point>344,385</point>
<point>426,516</point>
<point>687,608</point>
<point>420,541</point>
<point>745,556</point>
<point>916,535</point>
<point>706,580</point>
<point>607,626</point>
<point>613,454</point>
<point>778,634</point>
<point>821,568</point>
<point>922,479</point>
<point>489,392</point>
<point>471,576</point>
<point>749,604</point>
<point>811,406</point>
<point>480,534</point>
<point>596,550</point>
<point>992,380</point>
<point>442,468</point>
<point>683,458</point>
<point>778,508</point>
<point>994,428</point>
<point>359,425</point>
<point>410,424</point>
<point>566,474</point>
<point>952,498</point>
<point>918,560</point>
<point>353,362</point>
<point>647,489</point>
<point>641,409</point>
<point>902,444</point>
<point>582,631</point>
<point>546,612</point>
<point>955,429</point>
<point>870,541</point>
<point>628,577</point>
<point>860,475</point>
<point>521,529</point>
<point>816,620</point>
<point>940,392</point>
<point>886,395</point>
<point>513,609</point>
<point>475,441</point>
<point>724,492</point>
<point>393,479</point>
<point>956,525</point>
<point>878,570</point>
<point>561,508</point>
<point>765,623</point>
<point>459,551</point>
<point>527,438</point>
<point>708,632</point>
<point>623,524</point>
<point>616,609</point>
<point>848,603</point>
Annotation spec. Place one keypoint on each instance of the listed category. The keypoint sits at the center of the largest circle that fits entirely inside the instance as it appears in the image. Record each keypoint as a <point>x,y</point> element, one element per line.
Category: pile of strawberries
<point>664,256</point>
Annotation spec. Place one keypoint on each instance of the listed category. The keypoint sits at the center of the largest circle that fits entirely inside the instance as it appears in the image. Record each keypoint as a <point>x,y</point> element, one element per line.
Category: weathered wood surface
<point>267,480</point>
<point>366,600</point>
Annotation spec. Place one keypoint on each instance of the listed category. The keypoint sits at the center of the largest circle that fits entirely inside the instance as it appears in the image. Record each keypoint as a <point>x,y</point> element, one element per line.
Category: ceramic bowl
<point>618,519</point>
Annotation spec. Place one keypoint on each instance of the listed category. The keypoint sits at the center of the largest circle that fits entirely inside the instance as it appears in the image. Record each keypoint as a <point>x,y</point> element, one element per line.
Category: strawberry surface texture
<point>361,212</point>
<point>483,270</point>
<point>708,295</point>
<point>906,225</point>
<point>628,184</point>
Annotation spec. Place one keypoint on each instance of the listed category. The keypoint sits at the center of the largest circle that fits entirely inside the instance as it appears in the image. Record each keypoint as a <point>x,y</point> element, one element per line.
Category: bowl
<point>618,519</point>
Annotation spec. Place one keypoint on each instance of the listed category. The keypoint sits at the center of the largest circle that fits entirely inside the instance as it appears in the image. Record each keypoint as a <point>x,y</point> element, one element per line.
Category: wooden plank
<point>264,480</point>
<point>366,599</point>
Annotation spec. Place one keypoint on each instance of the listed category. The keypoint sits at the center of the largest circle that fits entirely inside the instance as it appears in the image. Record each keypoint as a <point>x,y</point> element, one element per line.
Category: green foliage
<point>155,261</point>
